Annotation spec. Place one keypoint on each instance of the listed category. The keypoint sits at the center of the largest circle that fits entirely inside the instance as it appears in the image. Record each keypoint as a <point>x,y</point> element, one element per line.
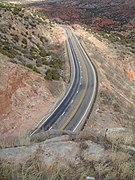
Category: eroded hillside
<point>114,17</point>
<point>105,148</point>
<point>31,50</point>
<point>115,64</point>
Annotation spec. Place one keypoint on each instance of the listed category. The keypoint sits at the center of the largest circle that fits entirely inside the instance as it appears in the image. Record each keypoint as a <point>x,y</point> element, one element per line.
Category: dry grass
<point>116,166</point>
<point>18,141</point>
<point>34,169</point>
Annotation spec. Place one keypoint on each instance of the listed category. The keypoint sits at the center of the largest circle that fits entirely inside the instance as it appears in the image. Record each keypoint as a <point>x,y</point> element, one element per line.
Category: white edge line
<point>72,101</point>
<point>89,61</point>
<point>73,64</point>
<point>63,113</point>
<point>50,128</point>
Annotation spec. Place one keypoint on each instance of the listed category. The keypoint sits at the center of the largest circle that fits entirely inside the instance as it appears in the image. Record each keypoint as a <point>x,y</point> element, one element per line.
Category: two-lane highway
<point>72,112</point>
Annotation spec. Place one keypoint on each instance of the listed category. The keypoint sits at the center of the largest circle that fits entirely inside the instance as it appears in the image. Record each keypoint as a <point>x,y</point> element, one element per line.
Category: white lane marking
<point>77,92</point>
<point>50,128</point>
<point>89,61</point>
<point>81,77</point>
<point>71,84</point>
<point>80,83</point>
<point>72,101</point>
<point>63,113</point>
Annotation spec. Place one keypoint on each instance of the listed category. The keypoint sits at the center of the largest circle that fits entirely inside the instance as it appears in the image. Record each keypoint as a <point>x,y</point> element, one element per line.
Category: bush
<point>24,41</point>
<point>16,38</point>
<point>52,74</point>
<point>11,53</point>
<point>33,49</point>
<point>17,10</point>
<point>45,62</point>
<point>36,70</point>
<point>33,56</point>
<point>55,74</point>
<point>30,66</point>
<point>48,74</point>
<point>42,52</point>
<point>39,62</point>
<point>56,64</point>
<point>43,39</point>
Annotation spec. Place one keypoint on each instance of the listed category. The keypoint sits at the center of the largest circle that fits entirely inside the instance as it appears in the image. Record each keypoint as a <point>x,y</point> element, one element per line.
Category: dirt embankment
<point>116,96</point>
<point>29,42</point>
<point>24,99</point>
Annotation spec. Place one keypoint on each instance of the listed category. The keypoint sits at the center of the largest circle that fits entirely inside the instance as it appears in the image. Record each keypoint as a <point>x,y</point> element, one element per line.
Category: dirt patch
<point>24,99</point>
<point>115,65</point>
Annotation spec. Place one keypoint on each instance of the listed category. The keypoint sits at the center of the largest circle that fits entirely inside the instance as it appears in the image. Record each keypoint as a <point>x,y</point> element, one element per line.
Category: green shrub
<point>45,62</point>
<point>36,70</point>
<point>43,39</point>
<point>33,56</point>
<point>48,75</point>
<point>11,53</point>
<point>133,51</point>
<point>24,41</point>
<point>52,74</point>
<point>42,52</point>
<point>55,74</point>
<point>33,49</point>
<point>30,66</point>
<point>39,62</point>
<point>56,64</point>
<point>16,38</point>
<point>15,8</point>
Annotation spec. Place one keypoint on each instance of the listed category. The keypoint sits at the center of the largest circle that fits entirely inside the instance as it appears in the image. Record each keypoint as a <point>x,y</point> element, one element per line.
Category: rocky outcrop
<point>61,157</point>
<point>59,149</point>
<point>49,152</point>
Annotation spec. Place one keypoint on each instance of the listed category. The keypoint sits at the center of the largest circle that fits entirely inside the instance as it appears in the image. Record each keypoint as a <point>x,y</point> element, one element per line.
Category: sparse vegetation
<point>24,41</point>
<point>56,64</point>
<point>115,163</point>
<point>113,166</point>
<point>42,52</point>
<point>30,66</point>
<point>16,38</point>
<point>115,37</point>
<point>36,69</point>
<point>21,42</point>
<point>52,74</point>
<point>11,53</point>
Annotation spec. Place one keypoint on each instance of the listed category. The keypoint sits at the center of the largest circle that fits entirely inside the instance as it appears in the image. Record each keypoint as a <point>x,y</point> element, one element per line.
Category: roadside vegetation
<point>34,51</point>
<point>23,45</point>
<point>111,167</point>
<point>128,41</point>
<point>34,169</point>
<point>115,64</point>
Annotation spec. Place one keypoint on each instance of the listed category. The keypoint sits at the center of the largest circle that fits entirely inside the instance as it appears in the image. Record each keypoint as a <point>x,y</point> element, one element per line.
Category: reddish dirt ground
<point>24,99</point>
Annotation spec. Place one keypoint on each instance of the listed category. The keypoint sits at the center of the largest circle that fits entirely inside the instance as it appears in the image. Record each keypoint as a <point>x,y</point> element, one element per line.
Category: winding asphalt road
<point>74,108</point>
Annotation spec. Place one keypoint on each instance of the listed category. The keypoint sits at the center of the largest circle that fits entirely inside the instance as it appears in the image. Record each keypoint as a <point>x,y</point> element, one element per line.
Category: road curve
<point>73,110</point>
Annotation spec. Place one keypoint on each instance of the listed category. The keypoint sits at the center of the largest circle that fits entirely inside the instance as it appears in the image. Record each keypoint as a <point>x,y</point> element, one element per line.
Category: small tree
<point>48,74</point>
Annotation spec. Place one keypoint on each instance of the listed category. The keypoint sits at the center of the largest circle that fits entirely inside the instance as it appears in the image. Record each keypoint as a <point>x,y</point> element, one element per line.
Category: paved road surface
<point>73,110</point>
